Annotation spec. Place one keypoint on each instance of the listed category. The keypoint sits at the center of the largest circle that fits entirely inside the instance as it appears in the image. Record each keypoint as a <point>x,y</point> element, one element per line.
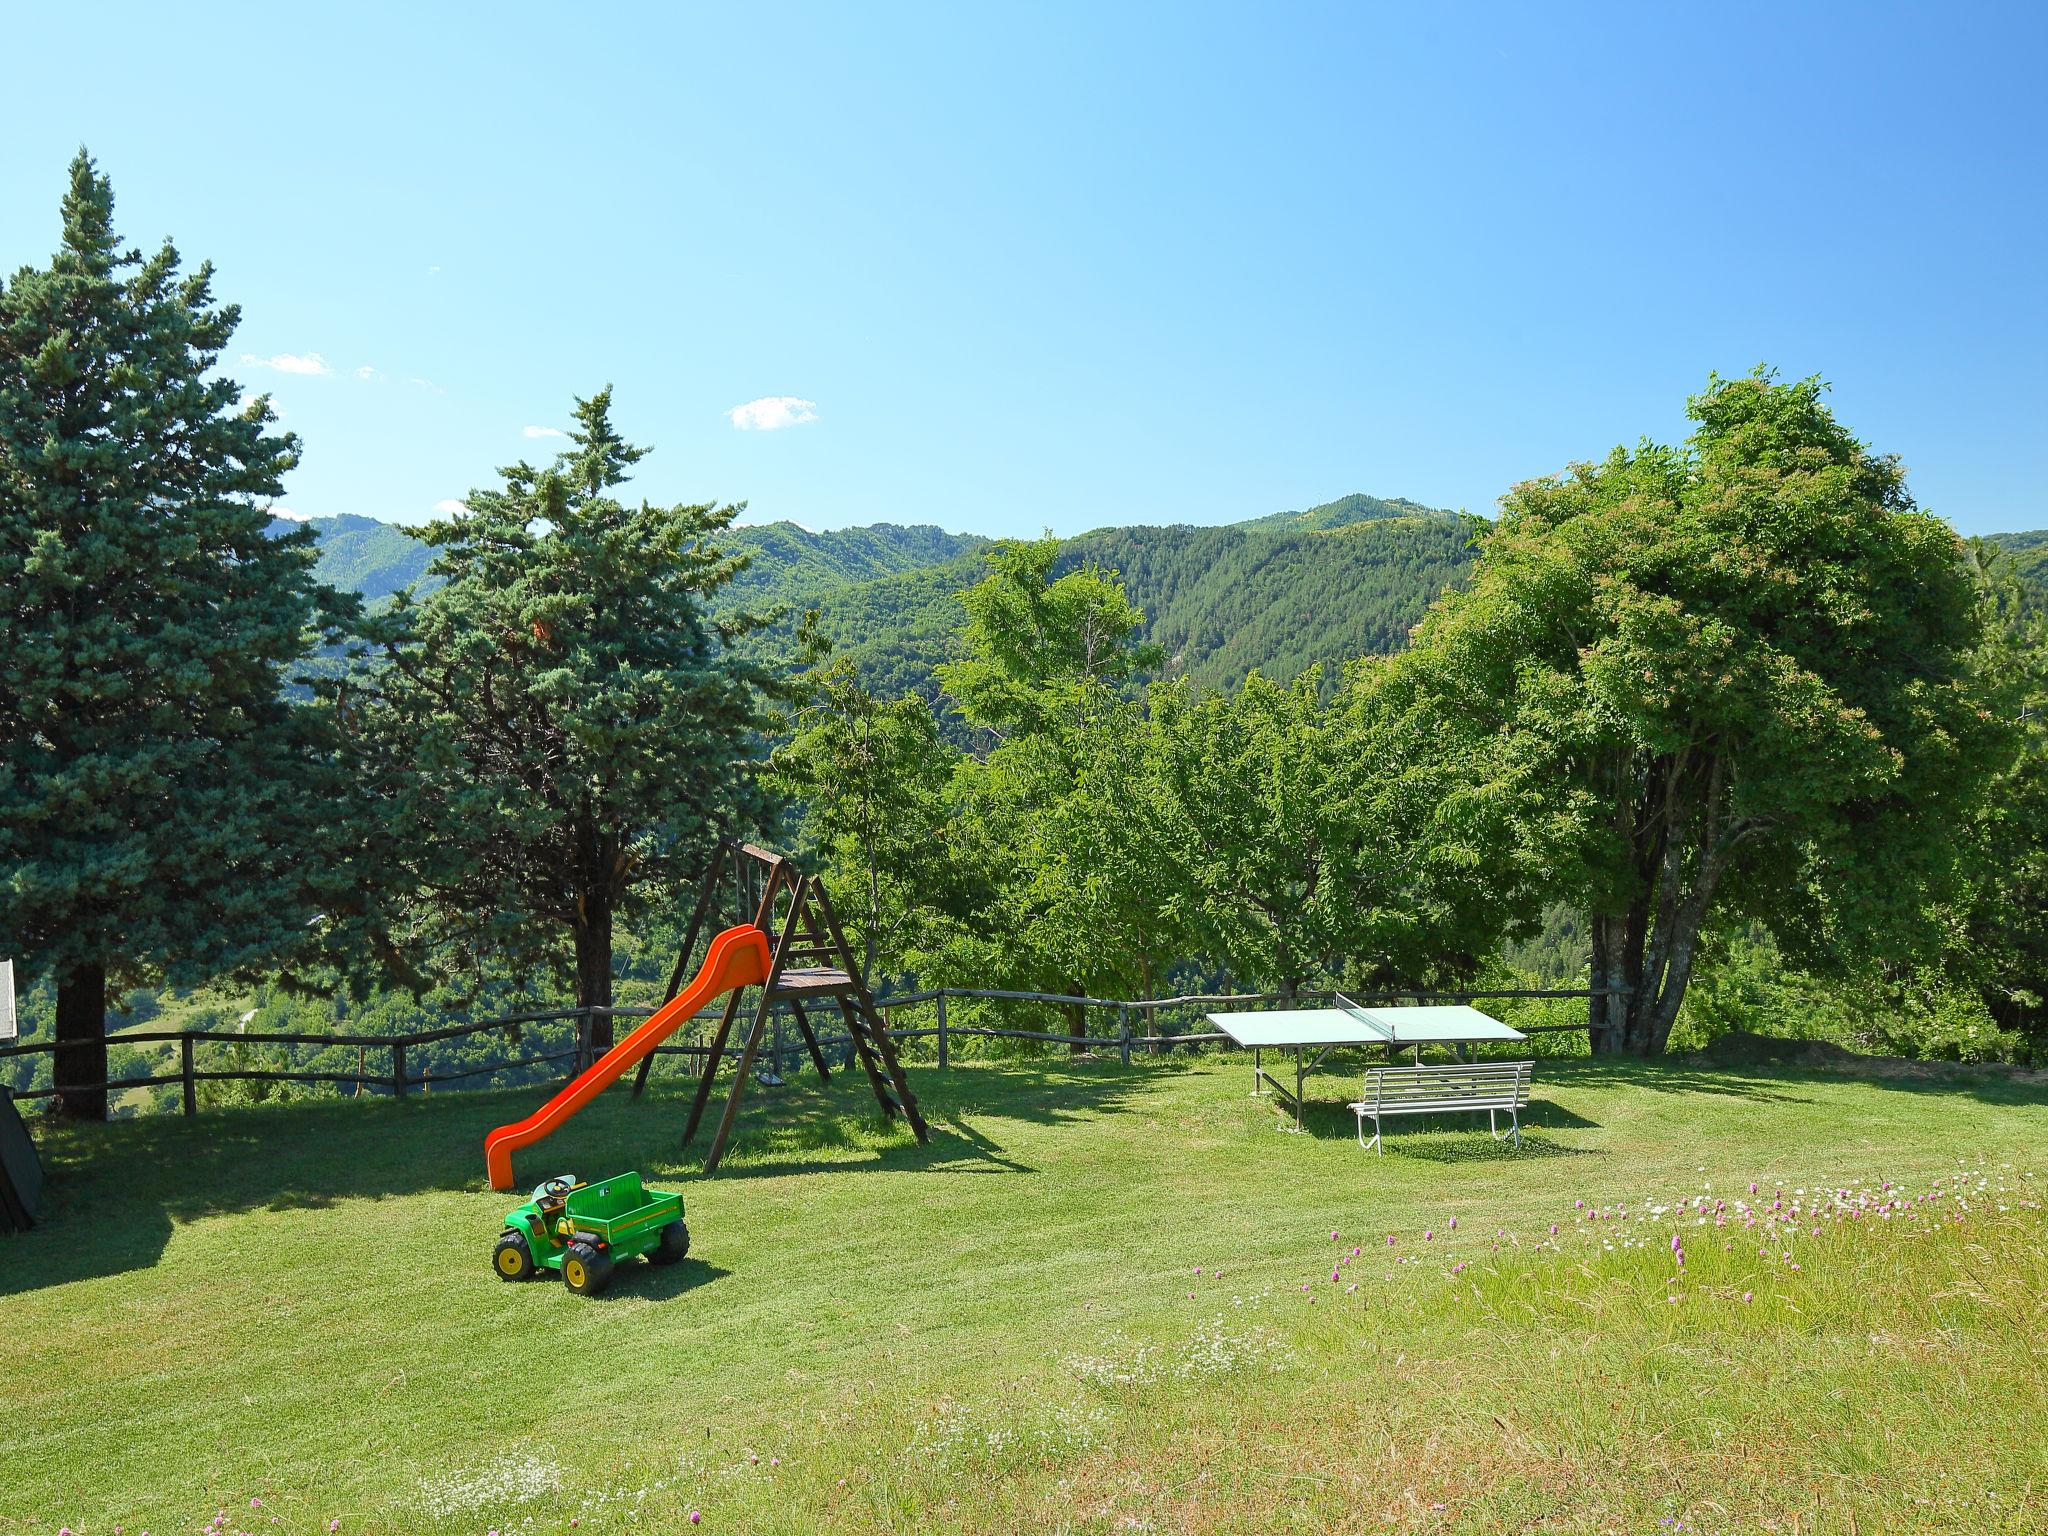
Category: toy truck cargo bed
<point>619,1210</point>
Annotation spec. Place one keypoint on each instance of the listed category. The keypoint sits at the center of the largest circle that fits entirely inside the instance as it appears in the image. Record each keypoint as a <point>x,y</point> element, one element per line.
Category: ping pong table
<point>1312,1033</point>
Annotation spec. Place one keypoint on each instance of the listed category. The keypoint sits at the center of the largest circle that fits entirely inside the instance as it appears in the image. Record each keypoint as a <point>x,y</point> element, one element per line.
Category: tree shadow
<point>117,1193</point>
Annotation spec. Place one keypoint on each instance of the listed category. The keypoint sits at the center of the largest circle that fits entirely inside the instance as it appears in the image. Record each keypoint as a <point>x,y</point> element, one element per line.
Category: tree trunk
<point>594,971</point>
<point>81,1055</point>
<point>1077,1026</point>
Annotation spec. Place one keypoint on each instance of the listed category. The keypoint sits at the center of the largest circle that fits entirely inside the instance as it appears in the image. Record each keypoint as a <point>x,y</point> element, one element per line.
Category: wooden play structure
<point>810,967</point>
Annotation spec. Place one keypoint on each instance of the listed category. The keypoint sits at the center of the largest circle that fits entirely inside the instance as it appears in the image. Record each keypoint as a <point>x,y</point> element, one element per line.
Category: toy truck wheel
<point>586,1270</point>
<point>512,1259</point>
<point>674,1246</point>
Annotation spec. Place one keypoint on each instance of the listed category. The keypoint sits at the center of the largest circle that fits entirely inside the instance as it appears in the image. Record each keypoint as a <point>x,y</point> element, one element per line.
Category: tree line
<point>1738,685</point>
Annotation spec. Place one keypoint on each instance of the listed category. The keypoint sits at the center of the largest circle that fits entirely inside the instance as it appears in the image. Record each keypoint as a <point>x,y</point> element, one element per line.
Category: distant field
<point>1100,1300</point>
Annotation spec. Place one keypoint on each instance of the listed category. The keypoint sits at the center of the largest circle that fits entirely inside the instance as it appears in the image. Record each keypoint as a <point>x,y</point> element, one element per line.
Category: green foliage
<point>1041,650</point>
<point>160,794</point>
<point>871,775</point>
<point>555,736</point>
<point>1739,677</point>
<point>1330,843</point>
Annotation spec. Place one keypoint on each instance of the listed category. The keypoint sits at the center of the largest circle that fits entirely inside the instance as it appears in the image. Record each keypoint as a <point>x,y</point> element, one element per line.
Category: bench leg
<point>1374,1144</point>
<point>1514,1130</point>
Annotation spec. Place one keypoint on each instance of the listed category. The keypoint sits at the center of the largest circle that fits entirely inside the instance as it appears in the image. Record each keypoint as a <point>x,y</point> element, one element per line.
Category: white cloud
<point>249,397</point>
<point>772,412</point>
<point>287,512</point>
<point>449,506</point>
<point>291,362</point>
<point>369,375</point>
<point>543,432</point>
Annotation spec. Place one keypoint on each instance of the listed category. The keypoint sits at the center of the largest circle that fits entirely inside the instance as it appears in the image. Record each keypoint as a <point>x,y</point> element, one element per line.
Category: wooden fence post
<point>1123,1040</point>
<point>398,1069</point>
<point>943,1056</point>
<point>185,1069</point>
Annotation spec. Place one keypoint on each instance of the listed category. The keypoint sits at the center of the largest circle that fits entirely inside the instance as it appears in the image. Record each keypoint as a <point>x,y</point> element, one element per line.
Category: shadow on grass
<point>838,1128</point>
<point>1438,1148</point>
<point>116,1193</point>
<point>641,1281</point>
<point>1335,1122</point>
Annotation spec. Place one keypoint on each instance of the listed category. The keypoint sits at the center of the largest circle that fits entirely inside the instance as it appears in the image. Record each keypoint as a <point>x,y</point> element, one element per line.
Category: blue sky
<point>1038,267</point>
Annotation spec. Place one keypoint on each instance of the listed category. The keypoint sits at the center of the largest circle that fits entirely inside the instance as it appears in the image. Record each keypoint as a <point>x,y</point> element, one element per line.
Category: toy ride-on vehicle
<point>583,1230</point>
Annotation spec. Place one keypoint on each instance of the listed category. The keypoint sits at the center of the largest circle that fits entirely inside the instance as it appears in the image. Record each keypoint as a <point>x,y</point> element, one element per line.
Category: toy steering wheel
<point>560,1184</point>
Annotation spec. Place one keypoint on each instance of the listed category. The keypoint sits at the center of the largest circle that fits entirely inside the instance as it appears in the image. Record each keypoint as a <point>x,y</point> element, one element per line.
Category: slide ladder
<point>739,957</point>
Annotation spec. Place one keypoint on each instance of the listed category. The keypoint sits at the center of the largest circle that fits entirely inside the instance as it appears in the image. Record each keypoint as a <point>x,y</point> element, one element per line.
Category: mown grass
<point>1006,1330</point>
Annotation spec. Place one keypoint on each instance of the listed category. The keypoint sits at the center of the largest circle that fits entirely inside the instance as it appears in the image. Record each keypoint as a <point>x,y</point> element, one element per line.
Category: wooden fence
<point>398,1079</point>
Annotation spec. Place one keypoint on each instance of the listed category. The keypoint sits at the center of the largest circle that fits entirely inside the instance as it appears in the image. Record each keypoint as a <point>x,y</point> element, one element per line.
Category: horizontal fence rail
<point>776,1054</point>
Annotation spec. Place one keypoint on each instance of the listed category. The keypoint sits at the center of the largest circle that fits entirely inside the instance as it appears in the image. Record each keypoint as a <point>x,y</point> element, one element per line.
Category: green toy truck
<point>584,1230</point>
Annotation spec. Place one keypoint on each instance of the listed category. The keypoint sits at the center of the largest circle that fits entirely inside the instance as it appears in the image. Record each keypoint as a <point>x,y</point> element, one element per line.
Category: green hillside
<point>1344,511</point>
<point>360,554</point>
<point>1115,1280</point>
<point>792,564</point>
<point>1277,593</point>
<point>2029,552</point>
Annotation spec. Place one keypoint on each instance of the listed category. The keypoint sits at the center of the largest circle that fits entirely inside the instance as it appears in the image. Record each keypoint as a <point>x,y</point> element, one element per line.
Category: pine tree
<point>151,770</point>
<point>555,735</point>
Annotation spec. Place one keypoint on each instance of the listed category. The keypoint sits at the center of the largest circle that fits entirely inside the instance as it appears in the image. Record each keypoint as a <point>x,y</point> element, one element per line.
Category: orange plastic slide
<point>738,958</point>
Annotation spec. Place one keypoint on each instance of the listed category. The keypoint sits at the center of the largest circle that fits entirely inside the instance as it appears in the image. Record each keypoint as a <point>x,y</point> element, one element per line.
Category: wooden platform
<point>812,981</point>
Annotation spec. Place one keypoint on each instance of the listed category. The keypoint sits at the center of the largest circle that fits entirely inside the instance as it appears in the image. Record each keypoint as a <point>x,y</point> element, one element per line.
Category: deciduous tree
<point>1737,676</point>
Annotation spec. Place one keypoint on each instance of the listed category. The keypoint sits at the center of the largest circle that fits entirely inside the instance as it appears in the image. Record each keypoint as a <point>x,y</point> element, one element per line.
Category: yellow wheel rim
<point>509,1262</point>
<point>572,1271</point>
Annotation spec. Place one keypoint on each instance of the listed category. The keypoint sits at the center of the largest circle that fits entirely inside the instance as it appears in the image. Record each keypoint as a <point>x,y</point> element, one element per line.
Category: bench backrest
<point>1479,1085</point>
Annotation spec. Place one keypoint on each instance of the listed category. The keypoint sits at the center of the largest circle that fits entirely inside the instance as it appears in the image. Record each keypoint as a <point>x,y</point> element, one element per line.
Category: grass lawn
<point>1100,1300</point>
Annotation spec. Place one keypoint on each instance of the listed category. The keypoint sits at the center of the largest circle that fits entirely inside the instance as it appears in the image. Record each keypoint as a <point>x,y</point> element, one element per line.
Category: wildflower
<point>1745,1297</point>
<point>1427,1235</point>
<point>255,1503</point>
<point>1333,1237</point>
<point>1454,1224</point>
<point>695,1518</point>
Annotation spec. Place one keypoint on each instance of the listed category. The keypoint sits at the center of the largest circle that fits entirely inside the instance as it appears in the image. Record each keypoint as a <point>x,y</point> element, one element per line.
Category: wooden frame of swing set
<point>810,961</point>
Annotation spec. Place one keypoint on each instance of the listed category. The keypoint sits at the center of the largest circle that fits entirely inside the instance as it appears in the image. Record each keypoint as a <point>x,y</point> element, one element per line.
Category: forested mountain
<point>360,554</point>
<point>2029,552</point>
<point>1343,512</point>
<point>1277,593</point>
<point>792,564</point>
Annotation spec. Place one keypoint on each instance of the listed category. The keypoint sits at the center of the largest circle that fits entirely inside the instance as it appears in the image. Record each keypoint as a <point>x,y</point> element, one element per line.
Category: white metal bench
<point>1494,1086</point>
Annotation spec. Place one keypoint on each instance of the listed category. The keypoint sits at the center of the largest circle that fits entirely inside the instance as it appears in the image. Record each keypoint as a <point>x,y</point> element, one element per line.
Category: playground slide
<point>738,957</point>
